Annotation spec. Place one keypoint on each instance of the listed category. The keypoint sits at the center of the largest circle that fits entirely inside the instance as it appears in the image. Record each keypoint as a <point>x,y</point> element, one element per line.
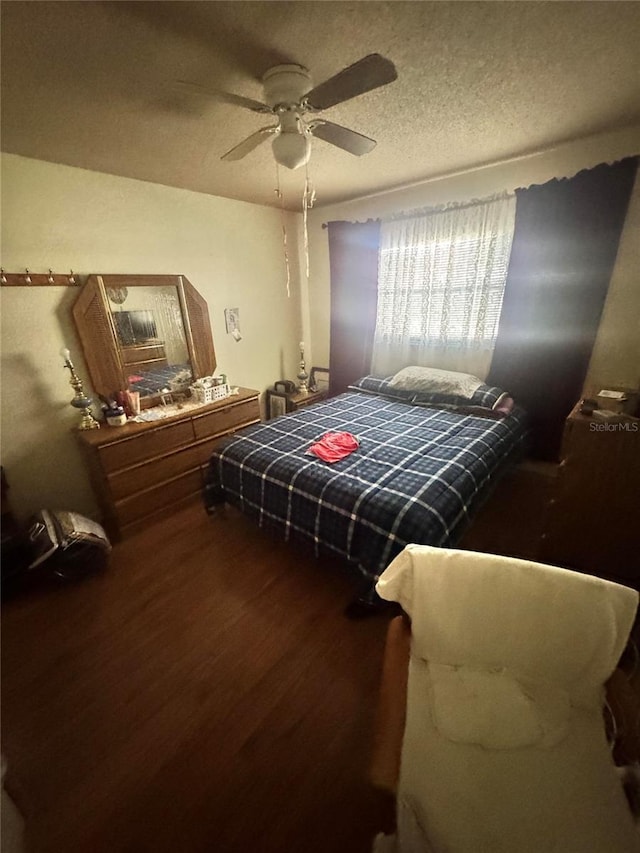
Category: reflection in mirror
<point>150,332</point>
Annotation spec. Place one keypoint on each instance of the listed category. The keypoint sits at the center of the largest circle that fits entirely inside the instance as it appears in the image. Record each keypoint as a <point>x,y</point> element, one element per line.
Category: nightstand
<point>593,517</point>
<point>301,399</point>
<point>279,403</point>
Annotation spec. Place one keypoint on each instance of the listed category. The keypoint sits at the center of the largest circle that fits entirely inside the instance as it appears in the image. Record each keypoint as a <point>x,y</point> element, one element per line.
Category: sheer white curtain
<point>441,278</point>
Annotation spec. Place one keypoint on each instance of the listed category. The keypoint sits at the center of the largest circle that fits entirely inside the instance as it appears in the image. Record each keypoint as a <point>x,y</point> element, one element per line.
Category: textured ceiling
<point>91,84</point>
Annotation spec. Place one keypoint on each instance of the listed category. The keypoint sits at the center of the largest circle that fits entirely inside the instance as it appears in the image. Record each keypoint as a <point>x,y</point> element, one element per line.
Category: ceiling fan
<point>290,97</point>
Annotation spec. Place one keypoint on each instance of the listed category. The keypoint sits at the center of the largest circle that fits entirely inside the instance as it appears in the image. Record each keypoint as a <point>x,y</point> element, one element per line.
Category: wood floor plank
<point>205,693</point>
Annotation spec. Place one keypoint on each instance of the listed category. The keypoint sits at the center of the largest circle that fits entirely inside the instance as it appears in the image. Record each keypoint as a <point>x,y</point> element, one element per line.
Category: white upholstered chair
<point>503,748</point>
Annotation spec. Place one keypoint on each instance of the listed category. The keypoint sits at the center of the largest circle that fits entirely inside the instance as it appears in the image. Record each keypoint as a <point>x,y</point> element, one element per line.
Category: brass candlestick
<point>80,400</point>
<point>302,375</point>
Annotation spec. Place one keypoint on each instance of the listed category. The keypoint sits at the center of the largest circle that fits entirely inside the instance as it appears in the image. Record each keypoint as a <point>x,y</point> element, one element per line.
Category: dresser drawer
<point>226,419</point>
<point>128,482</point>
<point>142,447</point>
<point>158,497</point>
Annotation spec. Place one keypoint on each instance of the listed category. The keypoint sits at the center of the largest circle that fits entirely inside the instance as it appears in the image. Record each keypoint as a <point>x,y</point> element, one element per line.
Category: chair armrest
<point>392,707</point>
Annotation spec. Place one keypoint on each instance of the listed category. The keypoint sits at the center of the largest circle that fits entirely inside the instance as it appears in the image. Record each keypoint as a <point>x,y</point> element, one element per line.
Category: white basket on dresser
<point>206,392</point>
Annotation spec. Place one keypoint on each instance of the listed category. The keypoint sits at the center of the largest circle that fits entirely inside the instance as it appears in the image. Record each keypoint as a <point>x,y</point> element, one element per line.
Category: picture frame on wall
<point>232,320</point>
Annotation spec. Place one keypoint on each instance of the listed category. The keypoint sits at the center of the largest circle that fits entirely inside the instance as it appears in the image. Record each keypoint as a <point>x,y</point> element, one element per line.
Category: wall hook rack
<point>30,279</point>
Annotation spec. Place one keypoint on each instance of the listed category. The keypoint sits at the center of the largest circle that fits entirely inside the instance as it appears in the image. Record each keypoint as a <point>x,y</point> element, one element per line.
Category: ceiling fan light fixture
<point>291,149</point>
<point>289,97</point>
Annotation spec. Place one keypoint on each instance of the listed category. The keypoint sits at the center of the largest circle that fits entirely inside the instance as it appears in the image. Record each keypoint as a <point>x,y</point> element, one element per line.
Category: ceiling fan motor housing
<point>289,96</point>
<point>286,84</point>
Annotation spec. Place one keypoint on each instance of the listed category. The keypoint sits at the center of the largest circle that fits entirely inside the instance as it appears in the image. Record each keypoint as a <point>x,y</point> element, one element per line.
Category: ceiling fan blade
<point>342,137</point>
<point>247,145</point>
<point>368,73</point>
<point>225,97</point>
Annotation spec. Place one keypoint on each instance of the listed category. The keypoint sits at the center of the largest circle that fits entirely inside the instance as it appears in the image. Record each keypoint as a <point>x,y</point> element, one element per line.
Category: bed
<point>423,467</point>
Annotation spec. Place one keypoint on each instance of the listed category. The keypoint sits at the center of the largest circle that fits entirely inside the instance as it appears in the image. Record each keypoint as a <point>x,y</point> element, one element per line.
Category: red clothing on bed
<point>334,446</point>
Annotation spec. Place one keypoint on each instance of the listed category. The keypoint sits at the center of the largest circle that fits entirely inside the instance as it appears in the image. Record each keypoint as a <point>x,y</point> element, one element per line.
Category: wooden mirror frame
<point>97,332</point>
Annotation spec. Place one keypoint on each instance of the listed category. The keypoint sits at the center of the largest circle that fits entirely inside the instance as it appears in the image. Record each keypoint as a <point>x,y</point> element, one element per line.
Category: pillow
<point>462,407</point>
<point>489,396</point>
<point>382,387</point>
<point>432,380</point>
<point>487,400</point>
<point>421,398</point>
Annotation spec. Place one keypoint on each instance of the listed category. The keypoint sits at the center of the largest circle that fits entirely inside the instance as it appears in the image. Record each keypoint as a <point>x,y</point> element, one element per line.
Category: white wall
<point>60,217</point>
<point>616,356</point>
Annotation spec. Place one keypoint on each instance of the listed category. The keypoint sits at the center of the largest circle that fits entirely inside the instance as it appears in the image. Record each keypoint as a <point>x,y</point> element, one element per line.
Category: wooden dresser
<point>140,471</point>
<point>594,517</point>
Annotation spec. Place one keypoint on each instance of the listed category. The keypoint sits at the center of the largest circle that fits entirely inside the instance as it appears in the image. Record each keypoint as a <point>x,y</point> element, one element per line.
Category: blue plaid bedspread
<point>417,476</point>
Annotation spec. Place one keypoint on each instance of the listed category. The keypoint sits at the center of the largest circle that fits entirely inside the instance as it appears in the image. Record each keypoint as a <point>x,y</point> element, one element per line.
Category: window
<point>441,277</point>
<point>454,291</point>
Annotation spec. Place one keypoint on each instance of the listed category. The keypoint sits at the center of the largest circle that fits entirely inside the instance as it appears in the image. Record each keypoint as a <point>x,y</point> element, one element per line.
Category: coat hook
<point>27,278</point>
<point>3,277</point>
<point>72,278</point>
<point>50,278</point>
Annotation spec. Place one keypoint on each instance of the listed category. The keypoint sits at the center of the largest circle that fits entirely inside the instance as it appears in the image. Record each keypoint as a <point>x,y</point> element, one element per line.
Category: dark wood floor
<point>206,693</point>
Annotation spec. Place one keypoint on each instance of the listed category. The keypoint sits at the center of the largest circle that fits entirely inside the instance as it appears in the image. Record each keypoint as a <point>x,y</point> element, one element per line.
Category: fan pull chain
<point>285,248</point>
<point>308,199</point>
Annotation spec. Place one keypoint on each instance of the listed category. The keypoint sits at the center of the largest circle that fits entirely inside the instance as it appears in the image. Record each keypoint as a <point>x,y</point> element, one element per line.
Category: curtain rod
<point>443,176</point>
<point>352,221</point>
<point>416,213</point>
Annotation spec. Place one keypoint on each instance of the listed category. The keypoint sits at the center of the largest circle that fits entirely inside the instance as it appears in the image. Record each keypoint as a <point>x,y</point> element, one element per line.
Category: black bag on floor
<point>68,544</point>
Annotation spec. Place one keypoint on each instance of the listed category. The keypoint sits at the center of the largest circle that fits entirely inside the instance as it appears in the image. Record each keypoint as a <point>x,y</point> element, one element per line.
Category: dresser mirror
<point>144,333</point>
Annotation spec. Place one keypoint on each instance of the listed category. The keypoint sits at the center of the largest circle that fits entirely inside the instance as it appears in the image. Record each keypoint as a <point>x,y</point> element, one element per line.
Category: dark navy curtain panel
<point>353,252</point>
<point>564,249</point>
